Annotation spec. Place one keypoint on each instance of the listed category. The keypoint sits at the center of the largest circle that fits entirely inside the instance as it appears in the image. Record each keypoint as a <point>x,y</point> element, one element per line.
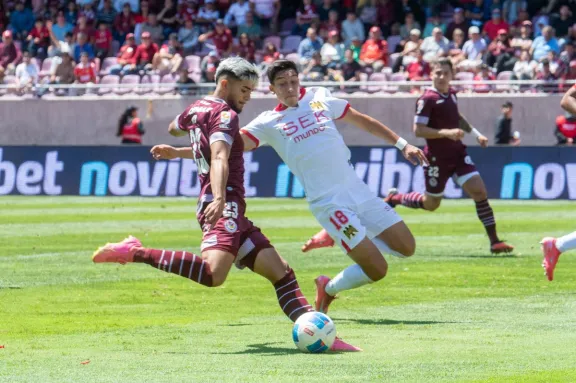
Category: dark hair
<point>124,119</point>
<point>279,66</point>
<point>507,104</point>
<point>443,61</point>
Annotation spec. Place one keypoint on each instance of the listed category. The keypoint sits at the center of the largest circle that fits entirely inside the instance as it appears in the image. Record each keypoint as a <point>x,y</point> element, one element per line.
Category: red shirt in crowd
<point>307,14</point>
<point>126,53</point>
<point>85,73</point>
<point>418,70</point>
<point>223,41</point>
<point>124,24</point>
<point>374,50</point>
<point>247,52</point>
<point>87,30</point>
<point>41,34</point>
<point>103,39</point>
<point>491,28</point>
<point>144,54</point>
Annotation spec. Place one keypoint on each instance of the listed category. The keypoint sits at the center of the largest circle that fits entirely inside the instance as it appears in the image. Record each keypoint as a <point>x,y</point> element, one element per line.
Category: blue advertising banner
<point>509,172</point>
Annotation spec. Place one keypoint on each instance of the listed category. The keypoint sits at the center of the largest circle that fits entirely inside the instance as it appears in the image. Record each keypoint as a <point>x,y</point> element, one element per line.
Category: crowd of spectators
<point>60,42</point>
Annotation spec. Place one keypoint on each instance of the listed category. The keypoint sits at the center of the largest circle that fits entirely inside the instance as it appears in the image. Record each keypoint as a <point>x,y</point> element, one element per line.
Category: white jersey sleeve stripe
<point>219,136</point>
<point>176,119</point>
<point>250,136</point>
<point>421,120</point>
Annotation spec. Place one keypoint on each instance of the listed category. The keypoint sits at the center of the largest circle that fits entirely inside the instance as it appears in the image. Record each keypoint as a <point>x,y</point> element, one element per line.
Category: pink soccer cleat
<point>323,299</point>
<point>551,255</point>
<point>121,252</point>
<point>318,241</point>
<point>340,345</point>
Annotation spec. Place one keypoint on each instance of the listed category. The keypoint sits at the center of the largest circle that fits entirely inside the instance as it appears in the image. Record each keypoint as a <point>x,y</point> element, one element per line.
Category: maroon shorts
<point>459,166</point>
<point>233,233</point>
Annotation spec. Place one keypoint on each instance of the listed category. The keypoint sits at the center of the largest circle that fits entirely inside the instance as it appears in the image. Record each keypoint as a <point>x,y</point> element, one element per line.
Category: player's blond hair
<point>238,69</point>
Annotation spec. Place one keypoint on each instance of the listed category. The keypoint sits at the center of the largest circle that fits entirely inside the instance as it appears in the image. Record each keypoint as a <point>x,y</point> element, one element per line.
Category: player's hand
<point>213,213</point>
<point>455,134</point>
<point>483,141</point>
<point>415,155</point>
<point>164,152</point>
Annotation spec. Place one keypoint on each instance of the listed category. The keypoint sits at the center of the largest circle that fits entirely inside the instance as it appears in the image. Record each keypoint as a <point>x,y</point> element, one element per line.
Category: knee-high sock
<point>412,200</point>
<point>486,216</point>
<point>567,242</point>
<point>290,298</point>
<point>350,278</point>
<point>183,263</point>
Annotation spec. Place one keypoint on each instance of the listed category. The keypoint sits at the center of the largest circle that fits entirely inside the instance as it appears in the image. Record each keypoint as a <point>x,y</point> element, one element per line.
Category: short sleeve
<point>423,111</point>
<point>336,107</point>
<point>224,126</point>
<point>256,131</point>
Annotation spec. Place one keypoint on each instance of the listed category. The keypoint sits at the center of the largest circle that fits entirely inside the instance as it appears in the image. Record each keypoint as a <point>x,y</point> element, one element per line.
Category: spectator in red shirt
<point>222,38</point>
<point>386,12</point>
<point>9,54</point>
<point>306,14</point>
<point>246,48</point>
<point>124,24</point>
<point>332,25</point>
<point>418,70</point>
<point>501,53</point>
<point>84,27</point>
<point>142,59</point>
<point>571,75</point>
<point>125,55</point>
<point>85,72</point>
<point>103,41</point>
<point>187,10</point>
<point>169,58</point>
<point>493,26</point>
<point>374,51</point>
<point>485,73</point>
<point>39,40</point>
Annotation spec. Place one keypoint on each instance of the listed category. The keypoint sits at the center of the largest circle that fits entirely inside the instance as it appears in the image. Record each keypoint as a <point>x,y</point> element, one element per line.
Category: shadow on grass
<point>389,322</point>
<point>235,324</point>
<point>263,349</point>
<point>493,256</point>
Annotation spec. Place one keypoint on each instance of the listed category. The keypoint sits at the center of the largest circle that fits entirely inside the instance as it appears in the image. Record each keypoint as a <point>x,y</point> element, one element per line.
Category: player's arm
<point>174,128</point>
<point>568,102</point>
<point>167,152</point>
<point>220,152</point>
<point>249,143</point>
<point>376,128</point>
<point>424,107</point>
<point>468,128</point>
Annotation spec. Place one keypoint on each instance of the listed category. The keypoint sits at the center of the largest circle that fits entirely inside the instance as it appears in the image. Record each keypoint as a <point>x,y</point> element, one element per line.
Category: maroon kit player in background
<point>439,122</point>
<point>228,236</point>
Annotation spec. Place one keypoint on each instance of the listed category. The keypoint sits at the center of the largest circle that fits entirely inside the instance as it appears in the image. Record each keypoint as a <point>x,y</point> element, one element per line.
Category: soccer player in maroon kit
<point>228,236</point>
<point>439,122</point>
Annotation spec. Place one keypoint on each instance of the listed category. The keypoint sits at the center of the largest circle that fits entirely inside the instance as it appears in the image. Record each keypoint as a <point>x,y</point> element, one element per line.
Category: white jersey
<point>306,139</point>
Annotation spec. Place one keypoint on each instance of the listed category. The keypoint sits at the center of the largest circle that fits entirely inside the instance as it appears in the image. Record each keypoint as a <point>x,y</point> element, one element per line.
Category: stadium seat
<point>133,79</point>
<point>395,77</point>
<point>290,44</point>
<point>276,40</point>
<point>393,42</point>
<point>376,77</point>
<point>147,84</point>
<point>107,64</point>
<point>294,57</point>
<point>464,76</point>
<point>115,48</point>
<point>504,76</point>
<point>108,79</point>
<point>46,65</point>
<point>193,63</point>
<point>8,80</point>
<point>37,63</point>
<point>392,59</point>
<point>263,84</point>
<point>166,84</point>
<point>287,26</point>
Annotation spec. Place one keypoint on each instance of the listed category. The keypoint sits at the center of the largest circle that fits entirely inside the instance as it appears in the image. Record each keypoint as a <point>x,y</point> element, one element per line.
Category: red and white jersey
<point>306,139</point>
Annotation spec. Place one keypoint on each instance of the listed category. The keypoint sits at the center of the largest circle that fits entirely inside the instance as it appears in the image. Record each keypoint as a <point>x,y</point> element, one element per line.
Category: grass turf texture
<point>453,312</point>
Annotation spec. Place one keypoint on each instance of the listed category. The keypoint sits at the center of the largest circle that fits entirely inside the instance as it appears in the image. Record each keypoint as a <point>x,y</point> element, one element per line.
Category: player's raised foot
<point>318,241</point>
<point>551,255</point>
<point>120,252</point>
<point>501,247</point>
<point>340,345</point>
<point>391,193</point>
<point>323,299</point>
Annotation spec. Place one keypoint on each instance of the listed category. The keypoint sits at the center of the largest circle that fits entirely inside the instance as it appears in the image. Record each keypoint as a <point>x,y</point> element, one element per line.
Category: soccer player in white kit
<point>553,247</point>
<point>302,131</point>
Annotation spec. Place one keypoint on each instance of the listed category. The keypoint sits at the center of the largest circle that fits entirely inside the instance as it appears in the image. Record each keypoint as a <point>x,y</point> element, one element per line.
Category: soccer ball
<point>314,332</point>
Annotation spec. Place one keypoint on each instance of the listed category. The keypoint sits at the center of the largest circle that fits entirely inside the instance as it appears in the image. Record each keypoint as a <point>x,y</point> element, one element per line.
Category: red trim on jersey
<point>345,111</point>
<point>345,246</point>
<point>250,136</point>
<point>281,107</point>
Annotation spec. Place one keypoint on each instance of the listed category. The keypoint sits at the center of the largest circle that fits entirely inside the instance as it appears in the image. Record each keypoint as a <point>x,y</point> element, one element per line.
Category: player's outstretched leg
<point>475,188</point>
<point>268,263</point>
<point>319,240</point>
<point>552,248</point>
<point>413,200</point>
<point>183,263</point>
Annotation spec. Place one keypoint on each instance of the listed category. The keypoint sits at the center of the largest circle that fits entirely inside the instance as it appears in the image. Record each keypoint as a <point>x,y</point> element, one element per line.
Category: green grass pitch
<point>451,313</point>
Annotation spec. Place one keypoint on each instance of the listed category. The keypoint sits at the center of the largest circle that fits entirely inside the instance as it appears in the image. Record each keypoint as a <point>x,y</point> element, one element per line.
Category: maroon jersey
<point>439,111</point>
<point>209,120</point>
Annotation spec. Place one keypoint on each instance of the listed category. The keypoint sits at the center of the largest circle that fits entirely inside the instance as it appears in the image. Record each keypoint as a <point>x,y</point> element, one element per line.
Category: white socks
<point>349,278</point>
<point>566,242</point>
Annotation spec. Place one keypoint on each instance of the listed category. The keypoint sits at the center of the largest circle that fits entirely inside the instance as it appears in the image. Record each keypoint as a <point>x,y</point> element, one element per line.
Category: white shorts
<point>352,215</point>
